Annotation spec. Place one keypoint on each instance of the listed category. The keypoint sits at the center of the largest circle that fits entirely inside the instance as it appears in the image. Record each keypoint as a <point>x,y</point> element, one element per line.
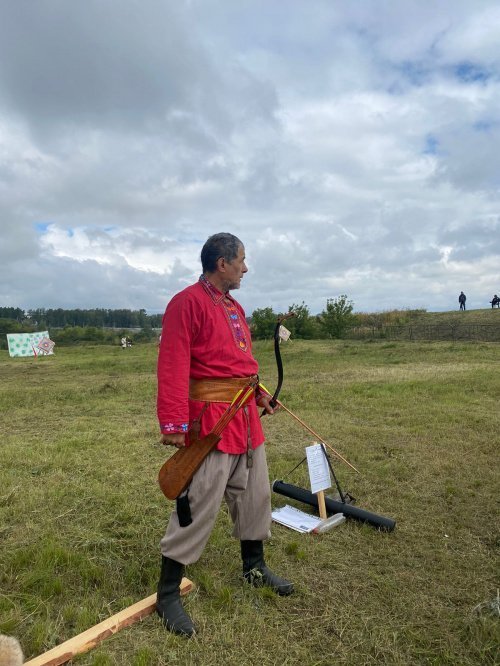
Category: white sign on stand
<point>319,472</point>
<point>319,475</point>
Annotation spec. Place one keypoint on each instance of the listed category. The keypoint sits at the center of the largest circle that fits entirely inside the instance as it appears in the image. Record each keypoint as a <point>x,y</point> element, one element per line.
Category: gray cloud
<point>101,63</point>
<point>354,148</point>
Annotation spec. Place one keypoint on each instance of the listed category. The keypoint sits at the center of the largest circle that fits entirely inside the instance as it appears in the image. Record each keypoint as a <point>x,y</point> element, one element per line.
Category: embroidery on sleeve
<point>174,427</point>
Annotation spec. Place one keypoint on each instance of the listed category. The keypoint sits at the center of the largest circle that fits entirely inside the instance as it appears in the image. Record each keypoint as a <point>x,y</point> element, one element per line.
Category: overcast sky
<point>354,147</point>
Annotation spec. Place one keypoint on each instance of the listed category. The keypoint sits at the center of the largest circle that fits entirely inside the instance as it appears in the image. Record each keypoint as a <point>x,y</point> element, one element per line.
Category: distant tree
<point>337,317</point>
<point>303,325</point>
<point>12,326</point>
<point>96,317</point>
<point>155,320</point>
<point>12,313</point>
<point>263,323</point>
<point>142,319</point>
<point>144,335</point>
<point>67,335</point>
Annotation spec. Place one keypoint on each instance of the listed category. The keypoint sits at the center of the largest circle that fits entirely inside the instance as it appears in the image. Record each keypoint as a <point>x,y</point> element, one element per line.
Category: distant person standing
<point>461,299</point>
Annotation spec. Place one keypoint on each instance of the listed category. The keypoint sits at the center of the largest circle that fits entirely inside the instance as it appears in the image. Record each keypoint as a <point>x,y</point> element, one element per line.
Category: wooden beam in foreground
<point>89,639</point>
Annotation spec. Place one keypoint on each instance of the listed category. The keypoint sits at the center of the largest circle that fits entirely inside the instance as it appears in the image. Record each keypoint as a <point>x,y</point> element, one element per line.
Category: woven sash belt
<point>216,390</point>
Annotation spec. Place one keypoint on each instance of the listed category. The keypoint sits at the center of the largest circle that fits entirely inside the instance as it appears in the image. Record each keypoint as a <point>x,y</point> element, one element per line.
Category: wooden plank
<point>91,637</point>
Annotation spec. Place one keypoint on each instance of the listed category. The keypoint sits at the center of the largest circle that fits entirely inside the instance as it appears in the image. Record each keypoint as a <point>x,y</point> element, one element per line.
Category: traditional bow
<point>274,400</point>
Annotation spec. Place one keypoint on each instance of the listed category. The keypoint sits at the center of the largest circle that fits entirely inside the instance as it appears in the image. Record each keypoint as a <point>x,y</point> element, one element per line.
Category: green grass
<point>413,325</point>
<point>81,514</point>
<point>487,315</point>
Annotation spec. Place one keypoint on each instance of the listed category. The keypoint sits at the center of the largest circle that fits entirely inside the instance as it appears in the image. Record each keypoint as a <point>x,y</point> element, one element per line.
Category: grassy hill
<point>483,316</point>
<point>472,325</point>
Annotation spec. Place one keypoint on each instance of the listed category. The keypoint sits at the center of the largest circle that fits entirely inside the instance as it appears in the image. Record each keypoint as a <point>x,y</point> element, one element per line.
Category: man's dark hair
<point>217,246</point>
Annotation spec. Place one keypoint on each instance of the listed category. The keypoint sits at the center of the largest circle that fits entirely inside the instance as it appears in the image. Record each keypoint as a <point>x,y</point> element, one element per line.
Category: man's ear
<point>221,264</point>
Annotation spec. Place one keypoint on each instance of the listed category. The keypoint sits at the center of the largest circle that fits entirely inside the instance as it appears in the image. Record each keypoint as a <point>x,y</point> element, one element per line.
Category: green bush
<point>337,317</point>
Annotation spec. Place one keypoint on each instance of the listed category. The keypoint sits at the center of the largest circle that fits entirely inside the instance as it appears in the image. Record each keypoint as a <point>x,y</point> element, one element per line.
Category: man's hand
<point>263,401</point>
<point>177,439</point>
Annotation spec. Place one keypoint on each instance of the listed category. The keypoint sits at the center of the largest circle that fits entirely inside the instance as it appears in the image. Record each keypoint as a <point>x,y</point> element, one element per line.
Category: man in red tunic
<point>205,356</point>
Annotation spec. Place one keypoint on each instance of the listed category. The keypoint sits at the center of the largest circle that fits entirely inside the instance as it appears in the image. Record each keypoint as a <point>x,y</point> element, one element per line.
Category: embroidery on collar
<point>230,310</point>
<point>213,292</point>
<point>234,322</point>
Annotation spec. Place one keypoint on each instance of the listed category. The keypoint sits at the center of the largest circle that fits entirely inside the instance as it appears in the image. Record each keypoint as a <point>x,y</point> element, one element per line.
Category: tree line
<point>104,326</point>
<point>332,322</point>
<point>59,318</point>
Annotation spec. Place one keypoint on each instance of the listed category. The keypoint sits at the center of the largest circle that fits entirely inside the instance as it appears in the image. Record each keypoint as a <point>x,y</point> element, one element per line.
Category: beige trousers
<point>247,493</point>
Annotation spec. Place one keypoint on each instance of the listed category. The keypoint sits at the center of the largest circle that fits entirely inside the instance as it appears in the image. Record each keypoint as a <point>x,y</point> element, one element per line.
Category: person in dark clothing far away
<point>461,299</point>
<point>495,301</point>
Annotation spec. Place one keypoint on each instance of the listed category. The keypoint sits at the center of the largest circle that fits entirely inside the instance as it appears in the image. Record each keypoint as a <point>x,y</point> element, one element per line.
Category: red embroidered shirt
<point>205,336</point>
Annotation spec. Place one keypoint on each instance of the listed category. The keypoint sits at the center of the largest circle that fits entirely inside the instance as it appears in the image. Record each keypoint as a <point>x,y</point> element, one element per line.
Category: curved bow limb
<point>274,400</point>
<point>279,363</point>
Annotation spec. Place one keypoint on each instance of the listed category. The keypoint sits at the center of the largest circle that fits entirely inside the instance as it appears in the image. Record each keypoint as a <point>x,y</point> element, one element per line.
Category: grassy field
<point>81,514</point>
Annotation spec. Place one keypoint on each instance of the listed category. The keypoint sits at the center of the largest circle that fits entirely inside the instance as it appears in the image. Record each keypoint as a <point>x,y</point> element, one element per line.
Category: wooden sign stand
<point>90,638</point>
<point>321,504</point>
<point>319,474</point>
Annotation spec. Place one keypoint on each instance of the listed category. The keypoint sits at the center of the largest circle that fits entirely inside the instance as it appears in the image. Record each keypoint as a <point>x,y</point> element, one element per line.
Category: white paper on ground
<point>295,519</point>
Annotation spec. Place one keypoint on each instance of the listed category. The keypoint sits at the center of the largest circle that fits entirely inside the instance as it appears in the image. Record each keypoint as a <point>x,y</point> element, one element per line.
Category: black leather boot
<point>255,571</point>
<point>168,600</point>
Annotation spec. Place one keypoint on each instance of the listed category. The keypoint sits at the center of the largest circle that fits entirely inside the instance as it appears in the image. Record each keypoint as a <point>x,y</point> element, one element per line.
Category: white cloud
<point>475,38</point>
<point>351,146</point>
<point>117,247</point>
